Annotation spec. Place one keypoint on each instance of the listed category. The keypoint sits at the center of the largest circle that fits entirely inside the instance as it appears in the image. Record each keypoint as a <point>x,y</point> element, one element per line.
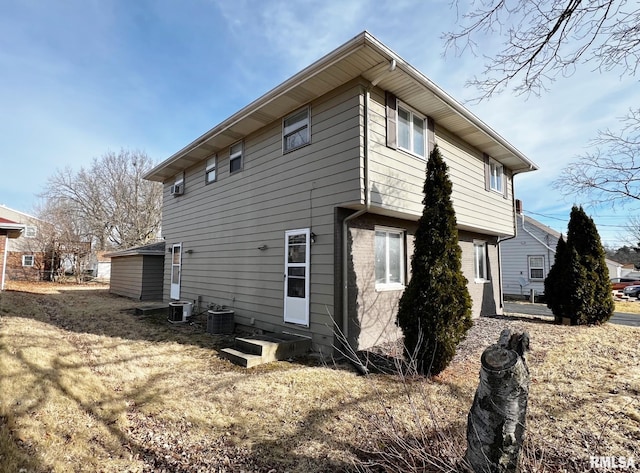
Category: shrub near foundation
<point>435,308</point>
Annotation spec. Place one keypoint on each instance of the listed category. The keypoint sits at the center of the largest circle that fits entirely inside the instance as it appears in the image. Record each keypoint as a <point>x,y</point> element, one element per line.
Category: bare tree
<point>611,172</point>
<point>546,39</point>
<point>108,204</point>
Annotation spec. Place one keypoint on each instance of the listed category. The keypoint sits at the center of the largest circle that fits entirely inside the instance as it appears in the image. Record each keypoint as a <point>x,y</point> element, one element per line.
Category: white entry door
<point>296,276</point>
<point>176,269</point>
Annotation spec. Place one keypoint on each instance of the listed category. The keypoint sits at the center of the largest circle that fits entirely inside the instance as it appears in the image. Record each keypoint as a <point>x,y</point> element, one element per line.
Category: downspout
<point>500,240</point>
<point>367,205</point>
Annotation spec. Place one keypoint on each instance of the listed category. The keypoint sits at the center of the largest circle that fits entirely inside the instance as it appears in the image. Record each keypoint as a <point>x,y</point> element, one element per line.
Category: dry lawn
<point>86,385</point>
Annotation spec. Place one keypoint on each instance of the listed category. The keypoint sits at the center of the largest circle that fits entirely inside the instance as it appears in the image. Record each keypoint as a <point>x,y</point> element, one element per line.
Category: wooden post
<point>496,423</point>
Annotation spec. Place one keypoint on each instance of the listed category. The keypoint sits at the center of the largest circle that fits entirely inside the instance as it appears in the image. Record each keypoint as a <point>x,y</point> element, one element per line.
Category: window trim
<point>33,261</point>
<point>530,267</point>
<point>477,276</point>
<point>237,155</point>
<point>413,113</point>
<point>306,124</point>
<point>208,168</point>
<point>498,179</point>
<point>391,286</point>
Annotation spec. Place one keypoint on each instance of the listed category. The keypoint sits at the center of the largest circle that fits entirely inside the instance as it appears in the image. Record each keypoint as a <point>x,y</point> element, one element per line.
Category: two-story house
<point>25,255</point>
<point>299,210</point>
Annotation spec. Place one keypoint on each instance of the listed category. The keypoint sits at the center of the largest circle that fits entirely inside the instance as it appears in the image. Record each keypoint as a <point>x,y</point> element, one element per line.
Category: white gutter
<point>367,205</point>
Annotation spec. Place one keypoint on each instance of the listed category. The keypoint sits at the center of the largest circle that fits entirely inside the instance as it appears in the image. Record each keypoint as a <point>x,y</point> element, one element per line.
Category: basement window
<point>389,258</point>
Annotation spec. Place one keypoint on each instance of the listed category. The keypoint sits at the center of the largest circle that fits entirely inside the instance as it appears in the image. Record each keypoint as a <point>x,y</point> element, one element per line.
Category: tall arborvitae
<point>577,286</point>
<point>555,284</point>
<point>596,303</point>
<point>435,309</point>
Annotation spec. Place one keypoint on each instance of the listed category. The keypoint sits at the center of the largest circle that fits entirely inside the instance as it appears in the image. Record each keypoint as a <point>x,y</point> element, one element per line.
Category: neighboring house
<point>25,255</point>
<point>138,272</point>
<point>9,230</point>
<point>299,211</point>
<point>99,266</point>
<point>527,258</point>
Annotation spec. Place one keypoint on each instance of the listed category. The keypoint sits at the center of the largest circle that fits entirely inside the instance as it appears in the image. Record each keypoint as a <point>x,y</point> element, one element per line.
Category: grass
<point>628,307</point>
<point>88,386</point>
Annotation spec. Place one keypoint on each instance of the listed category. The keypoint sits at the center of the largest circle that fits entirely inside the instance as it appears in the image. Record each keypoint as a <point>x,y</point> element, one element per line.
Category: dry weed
<point>88,386</point>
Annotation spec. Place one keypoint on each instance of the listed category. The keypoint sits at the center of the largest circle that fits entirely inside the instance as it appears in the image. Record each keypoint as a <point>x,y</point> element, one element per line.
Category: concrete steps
<point>259,349</point>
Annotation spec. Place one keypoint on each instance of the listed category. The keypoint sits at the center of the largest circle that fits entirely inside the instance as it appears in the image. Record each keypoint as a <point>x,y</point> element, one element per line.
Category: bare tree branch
<point>112,206</point>
<point>545,39</point>
<point>611,172</point>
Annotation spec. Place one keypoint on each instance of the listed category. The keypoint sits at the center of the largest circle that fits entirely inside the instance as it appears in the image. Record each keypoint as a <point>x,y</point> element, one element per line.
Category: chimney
<point>518,206</point>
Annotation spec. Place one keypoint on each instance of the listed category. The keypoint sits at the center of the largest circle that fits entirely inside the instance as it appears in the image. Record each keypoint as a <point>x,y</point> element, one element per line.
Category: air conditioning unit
<point>179,311</point>
<point>177,189</point>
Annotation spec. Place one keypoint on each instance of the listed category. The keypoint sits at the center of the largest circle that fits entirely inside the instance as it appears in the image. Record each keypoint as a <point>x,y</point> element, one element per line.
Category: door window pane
<point>295,287</point>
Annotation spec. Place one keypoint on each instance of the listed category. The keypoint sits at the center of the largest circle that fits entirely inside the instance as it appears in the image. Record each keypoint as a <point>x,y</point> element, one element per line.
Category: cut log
<point>496,423</point>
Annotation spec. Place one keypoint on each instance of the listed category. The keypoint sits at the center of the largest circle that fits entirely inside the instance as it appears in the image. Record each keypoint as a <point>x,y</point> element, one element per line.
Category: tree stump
<point>496,423</point>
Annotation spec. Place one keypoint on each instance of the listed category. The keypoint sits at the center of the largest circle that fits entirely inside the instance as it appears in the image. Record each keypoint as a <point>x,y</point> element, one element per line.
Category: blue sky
<point>81,77</point>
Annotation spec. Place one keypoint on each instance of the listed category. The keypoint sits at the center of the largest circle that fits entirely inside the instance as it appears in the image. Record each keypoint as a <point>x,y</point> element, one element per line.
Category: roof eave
<point>181,159</point>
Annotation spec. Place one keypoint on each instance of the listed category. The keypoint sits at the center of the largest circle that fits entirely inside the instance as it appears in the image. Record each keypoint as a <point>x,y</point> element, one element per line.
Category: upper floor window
<point>30,231</point>
<point>389,258</point>
<point>210,170</point>
<point>295,130</point>
<point>177,188</point>
<point>536,267</point>
<point>480,260</point>
<point>235,157</point>
<point>496,176</point>
<point>28,260</point>
<point>411,131</point>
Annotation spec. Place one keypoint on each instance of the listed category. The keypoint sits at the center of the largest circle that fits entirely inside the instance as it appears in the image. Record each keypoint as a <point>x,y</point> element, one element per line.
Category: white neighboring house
<point>527,258</point>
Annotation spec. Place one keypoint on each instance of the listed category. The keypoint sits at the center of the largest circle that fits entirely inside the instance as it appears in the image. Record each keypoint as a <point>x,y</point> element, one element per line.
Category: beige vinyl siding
<point>126,276</point>
<point>476,208</point>
<point>397,178</point>
<point>223,224</point>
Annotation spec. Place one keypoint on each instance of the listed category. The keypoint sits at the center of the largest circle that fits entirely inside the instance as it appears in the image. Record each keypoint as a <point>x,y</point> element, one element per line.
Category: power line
<point>565,220</point>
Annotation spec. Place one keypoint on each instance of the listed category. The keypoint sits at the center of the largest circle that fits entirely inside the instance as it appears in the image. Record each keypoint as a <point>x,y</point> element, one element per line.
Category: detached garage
<point>138,272</point>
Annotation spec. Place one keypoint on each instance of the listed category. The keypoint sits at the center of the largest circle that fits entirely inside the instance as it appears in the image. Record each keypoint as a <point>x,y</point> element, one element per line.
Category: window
<point>411,131</point>
<point>30,232</point>
<point>235,158</point>
<point>178,186</point>
<point>295,130</point>
<point>496,176</point>
<point>210,170</point>
<point>480,260</point>
<point>389,258</point>
<point>27,260</point>
<point>536,267</point>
